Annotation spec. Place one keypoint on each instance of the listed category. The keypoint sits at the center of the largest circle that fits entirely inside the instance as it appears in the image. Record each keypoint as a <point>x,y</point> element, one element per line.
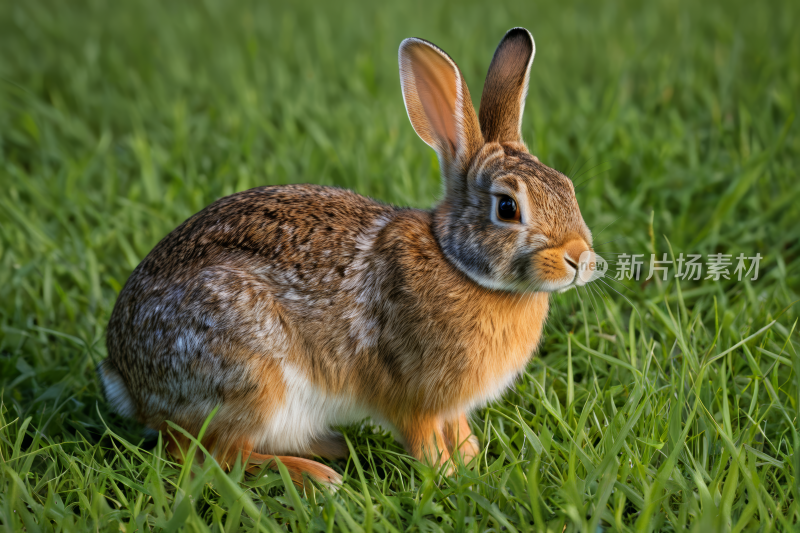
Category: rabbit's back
<point>278,226</point>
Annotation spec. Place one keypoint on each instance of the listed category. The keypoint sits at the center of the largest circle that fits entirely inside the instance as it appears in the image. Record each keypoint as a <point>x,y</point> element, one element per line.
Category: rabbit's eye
<point>507,209</point>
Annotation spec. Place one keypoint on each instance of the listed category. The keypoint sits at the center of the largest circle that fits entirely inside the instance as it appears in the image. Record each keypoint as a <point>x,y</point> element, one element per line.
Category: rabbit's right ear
<point>439,106</point>
<point>503,98</point>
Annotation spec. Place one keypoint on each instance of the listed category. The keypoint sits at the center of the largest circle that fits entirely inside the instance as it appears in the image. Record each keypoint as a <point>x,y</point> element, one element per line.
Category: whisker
<point>524,293</point>
<point>620,283</point>
<point>616,253</point>
<point>579,168</point>
<point>593,292</point>
<point>594,307</point>
<point>583,184</point>
<point>612,240</point>
<point>607,225</point>
<point>526,290</point>
<point>577,293</point>
<point>599,289</point>
<point>603,294</point>
<point>604,162</point>
<point>626,298</point>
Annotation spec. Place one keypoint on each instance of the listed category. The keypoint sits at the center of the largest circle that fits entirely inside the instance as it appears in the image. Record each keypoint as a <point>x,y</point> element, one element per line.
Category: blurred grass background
<point>119,120</point>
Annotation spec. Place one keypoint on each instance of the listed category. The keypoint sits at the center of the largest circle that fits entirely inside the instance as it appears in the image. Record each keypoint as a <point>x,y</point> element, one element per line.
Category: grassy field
<point>651,406</point>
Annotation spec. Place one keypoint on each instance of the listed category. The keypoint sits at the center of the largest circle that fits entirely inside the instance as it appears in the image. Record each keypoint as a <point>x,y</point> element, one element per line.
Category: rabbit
<point>298,308</point>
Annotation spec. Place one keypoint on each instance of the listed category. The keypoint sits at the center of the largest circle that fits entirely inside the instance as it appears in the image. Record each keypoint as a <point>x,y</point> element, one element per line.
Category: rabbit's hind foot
<point>296,466</point>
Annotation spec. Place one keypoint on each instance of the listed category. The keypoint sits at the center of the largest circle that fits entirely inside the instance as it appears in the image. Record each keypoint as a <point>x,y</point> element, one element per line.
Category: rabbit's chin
<point>522,287</point>
<point>575,283</point>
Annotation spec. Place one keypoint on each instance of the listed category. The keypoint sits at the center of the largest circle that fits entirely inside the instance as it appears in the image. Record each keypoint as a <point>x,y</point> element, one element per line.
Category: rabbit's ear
<point>503,98</point>
<point>438,104</point>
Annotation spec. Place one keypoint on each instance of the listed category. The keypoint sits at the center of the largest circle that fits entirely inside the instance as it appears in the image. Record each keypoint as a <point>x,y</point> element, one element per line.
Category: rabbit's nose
<point>573,250</point>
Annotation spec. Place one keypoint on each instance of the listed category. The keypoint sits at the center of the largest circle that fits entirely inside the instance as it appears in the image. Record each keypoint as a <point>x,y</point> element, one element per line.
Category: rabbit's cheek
<point>550,270</point>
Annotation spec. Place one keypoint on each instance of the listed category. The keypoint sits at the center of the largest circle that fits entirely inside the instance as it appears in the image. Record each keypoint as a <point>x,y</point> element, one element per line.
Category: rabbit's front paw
<point>460,440</point>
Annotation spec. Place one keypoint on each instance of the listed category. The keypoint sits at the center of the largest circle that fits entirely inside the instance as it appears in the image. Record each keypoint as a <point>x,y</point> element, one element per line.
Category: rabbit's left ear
<point>439,106</point>
<point>503,98</point>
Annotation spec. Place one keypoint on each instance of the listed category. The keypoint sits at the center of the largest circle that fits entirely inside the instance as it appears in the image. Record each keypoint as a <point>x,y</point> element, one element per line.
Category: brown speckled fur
<point>297,307</point>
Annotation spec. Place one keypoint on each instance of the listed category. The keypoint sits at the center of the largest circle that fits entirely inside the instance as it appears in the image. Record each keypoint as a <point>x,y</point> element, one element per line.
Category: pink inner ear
<point>435,79</point>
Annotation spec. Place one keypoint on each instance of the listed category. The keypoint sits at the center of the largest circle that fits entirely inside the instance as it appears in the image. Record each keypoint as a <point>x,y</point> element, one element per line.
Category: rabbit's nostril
<point>572,252</point>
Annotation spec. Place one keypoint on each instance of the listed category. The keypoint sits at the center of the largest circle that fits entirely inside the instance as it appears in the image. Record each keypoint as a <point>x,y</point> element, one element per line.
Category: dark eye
<point>507,210</point>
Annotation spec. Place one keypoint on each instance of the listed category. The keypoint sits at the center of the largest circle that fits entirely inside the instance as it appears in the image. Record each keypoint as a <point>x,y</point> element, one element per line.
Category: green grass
<point>669,408</point>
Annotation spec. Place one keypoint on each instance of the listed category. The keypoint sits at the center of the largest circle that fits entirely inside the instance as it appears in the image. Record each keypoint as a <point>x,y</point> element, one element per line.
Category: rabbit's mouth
<point>561,288</point>
<point>576,282</point>
<point>571,264</point>
<point>588,268</point>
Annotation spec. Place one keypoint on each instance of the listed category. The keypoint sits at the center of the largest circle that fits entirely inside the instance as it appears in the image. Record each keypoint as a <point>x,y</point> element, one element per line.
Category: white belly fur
<point>306,415</point>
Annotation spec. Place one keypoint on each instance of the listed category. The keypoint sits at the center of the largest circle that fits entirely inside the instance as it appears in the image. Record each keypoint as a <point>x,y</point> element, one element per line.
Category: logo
<point>591,267</point>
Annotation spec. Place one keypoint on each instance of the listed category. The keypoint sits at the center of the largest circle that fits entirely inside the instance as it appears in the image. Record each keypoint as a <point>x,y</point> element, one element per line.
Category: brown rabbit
<point>296,308</point>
